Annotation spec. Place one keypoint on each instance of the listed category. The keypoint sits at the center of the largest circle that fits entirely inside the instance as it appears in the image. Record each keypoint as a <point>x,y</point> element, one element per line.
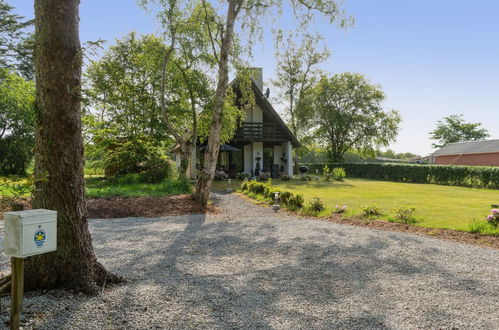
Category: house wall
<point>248,158</point>
<point>288,153</point>
<point>278,155</point>
<point>485,159</point>
<point>257,152</point>
<point>257,114</point>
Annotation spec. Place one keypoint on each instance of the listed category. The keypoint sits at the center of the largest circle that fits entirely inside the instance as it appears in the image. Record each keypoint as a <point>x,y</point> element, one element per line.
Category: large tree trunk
<point>59,151</point>
<point>205,181</point>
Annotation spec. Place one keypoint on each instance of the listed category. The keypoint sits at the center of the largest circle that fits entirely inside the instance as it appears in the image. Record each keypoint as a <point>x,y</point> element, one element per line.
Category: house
<point>263,143</point>
<point>473,153</point>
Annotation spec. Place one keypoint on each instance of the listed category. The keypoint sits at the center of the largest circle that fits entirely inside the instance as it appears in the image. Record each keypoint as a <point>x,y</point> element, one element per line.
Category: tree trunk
<point>58,153</point>
<point>185,156</point>
<point>205,181</point>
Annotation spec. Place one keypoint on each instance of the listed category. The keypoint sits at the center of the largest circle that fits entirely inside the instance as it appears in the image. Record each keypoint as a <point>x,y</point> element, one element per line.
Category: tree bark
<point>58,153</point>
<point>205,181</point>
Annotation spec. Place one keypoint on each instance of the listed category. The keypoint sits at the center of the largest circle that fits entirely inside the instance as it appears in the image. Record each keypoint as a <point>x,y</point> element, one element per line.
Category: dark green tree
<point>454,129</point>
<point>350,116</point>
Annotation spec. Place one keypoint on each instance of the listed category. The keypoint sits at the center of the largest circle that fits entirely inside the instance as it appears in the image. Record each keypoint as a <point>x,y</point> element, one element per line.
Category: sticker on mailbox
<point>39,238</point>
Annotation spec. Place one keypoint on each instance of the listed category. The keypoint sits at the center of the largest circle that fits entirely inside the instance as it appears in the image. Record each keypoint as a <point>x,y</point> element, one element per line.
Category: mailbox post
<point>27,233</point>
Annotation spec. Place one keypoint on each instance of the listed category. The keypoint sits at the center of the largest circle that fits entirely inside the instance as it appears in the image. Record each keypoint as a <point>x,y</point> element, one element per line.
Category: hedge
<point>467,176</point>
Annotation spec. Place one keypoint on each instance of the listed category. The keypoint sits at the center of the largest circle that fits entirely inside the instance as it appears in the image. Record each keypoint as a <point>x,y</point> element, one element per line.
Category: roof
<point>472,147</point>
<point>266,106</point>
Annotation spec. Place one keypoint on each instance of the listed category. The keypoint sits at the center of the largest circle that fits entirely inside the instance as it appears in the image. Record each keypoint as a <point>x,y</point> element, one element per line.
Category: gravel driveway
<point>251,268</point>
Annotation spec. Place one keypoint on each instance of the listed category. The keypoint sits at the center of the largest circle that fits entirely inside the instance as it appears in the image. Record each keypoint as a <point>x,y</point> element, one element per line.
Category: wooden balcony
<point>264,132</point>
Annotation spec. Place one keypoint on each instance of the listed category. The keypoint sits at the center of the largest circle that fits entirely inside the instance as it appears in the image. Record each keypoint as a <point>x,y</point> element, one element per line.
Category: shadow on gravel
<point>234,274</point>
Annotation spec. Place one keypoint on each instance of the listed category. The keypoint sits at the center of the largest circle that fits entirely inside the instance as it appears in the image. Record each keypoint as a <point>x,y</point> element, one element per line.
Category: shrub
<point>264,176</point>
<point>340,209</point>
<point>156,170</point>
<point>493,217</point>
<point>328,174</point>
<point>468,176</point>
<point>284,197</point>
<point>295,202</point>
<point>371,210</point>
<point>306,177</point>
<point>339,173</point>
<point>405,213</point>
<point>220,175</point>
<point>245,185</point>
<point>285,177</point>
<point>315,205</point>
<point>243,175</point>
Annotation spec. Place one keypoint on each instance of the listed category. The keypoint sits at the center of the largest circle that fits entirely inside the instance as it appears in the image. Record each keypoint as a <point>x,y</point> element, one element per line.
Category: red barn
<point>473,153</point>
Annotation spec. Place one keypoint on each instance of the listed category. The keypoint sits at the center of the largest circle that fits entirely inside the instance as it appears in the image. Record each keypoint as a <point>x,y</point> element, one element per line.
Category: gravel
<point>249,267</point>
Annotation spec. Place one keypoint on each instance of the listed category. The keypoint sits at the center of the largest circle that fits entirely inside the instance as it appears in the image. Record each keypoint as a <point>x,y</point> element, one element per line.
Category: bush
<point>315,205</point>
<point>220,175</point>
<point>264,176</point>
<point>339,173</point>
<point>493,218</point>
<point>243,175</point>
<point>328,174</point>
<point>405,213</point>
<point>371,210</point>
<point>340,209</point>
<point>285,177</point>
<point>295,202</point>
<point>467,176</point>
<point>156,170</point>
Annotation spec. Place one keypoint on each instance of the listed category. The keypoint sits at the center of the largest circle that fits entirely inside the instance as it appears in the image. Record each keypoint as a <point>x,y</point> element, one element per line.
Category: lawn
<point>98,187</point>
<point>436,206</point>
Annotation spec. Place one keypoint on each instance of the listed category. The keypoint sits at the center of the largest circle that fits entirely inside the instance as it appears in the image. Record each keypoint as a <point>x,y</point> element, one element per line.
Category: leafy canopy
<point>350,116</point>
<point>454,129</point>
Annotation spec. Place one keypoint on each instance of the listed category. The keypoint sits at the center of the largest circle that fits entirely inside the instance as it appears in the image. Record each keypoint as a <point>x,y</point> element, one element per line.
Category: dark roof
<point>266,106</point>
<point>472,147</point>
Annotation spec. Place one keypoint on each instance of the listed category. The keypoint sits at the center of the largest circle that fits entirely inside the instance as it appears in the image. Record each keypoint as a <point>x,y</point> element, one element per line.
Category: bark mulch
<point>147,207</point>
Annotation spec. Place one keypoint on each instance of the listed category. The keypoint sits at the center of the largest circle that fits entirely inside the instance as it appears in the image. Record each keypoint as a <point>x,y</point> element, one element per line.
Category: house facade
<point>473,153</point>
<point>262,144</point>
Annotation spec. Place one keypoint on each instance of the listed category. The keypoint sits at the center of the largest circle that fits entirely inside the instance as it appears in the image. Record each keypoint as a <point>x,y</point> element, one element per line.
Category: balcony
<point>264,132</point>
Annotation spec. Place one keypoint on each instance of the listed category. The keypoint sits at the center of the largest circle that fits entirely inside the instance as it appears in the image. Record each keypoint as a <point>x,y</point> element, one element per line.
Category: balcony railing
<point>260,132</point>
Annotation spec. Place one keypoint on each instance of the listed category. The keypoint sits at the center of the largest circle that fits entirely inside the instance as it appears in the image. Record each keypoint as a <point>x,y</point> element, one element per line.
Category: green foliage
<point>295,202</point>
<point>267,190</point>
<point>467,176</point>
<point>242,176</point>
<point>483,227</point>
<point>405,213</point>
<point>349,113</point>
<point>16,42</point>
<point>316,205</point>
<point>339,173</point>
<point>131,186</point>
<point>17,120</point>
<point>135,155</point>
<point>327,173</point>
<point>454,129</point>
<point>371,211</point>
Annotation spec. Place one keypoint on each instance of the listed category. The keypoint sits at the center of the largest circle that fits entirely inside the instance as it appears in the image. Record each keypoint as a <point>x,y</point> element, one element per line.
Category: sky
<point>432,58</point>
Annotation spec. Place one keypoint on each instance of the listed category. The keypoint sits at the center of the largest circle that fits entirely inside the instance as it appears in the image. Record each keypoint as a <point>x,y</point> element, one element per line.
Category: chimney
<point>257,76</point>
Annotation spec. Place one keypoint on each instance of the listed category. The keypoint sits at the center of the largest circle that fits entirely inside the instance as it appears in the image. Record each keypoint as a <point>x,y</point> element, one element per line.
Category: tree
<point>17,98</point>
<point>16,42</point>
<point>242,15</point>
<point>296,74</point>
<point>58,153</point>
<point>454,129</point>
<point>350,116</point>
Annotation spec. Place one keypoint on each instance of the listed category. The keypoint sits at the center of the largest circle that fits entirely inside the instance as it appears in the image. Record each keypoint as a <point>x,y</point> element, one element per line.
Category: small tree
<point>454,129</point>
<point>350,116</point>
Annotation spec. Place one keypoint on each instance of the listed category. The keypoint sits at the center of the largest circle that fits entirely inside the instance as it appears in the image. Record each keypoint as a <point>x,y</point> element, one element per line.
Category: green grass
<point>14,186</point>
<point>98,187</point>
<point>437,206</point>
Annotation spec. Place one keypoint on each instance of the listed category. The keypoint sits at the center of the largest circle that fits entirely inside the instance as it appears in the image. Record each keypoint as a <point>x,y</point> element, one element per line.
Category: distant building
<point>473,153</point>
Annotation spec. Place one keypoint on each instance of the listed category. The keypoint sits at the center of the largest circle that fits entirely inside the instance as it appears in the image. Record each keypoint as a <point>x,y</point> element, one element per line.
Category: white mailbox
<point>30,232</point>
